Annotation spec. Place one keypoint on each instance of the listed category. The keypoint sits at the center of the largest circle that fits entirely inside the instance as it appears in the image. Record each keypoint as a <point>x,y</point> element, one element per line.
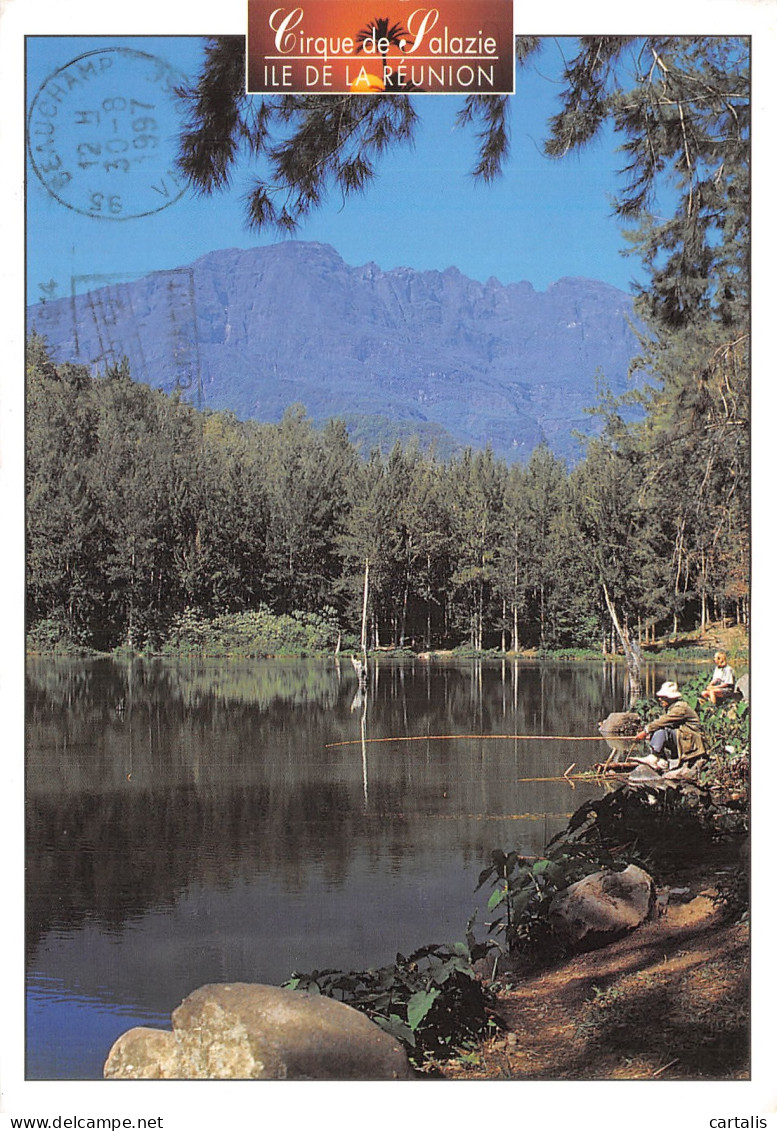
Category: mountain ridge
<point>255,330</point>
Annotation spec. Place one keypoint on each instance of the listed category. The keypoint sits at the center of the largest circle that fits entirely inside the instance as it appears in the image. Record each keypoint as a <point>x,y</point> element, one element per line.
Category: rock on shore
<point>603,906</point>
<point>242,1031</point>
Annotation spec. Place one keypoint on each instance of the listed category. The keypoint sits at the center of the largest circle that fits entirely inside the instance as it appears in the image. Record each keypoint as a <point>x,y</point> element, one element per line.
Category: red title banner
<point>341,47</point>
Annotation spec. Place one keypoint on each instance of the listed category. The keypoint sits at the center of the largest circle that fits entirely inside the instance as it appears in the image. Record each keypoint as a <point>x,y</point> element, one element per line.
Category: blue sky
<point>542,220</point>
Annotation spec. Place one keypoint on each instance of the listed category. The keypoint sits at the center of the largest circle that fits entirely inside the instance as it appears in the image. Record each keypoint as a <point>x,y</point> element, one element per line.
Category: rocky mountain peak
<point>255,330</point>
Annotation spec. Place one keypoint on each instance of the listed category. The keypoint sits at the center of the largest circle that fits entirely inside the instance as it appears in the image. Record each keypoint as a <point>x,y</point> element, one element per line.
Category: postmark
<point>183,333</point>
<point>106,317</point>
<point>102,134</point>
<point>105,328</point>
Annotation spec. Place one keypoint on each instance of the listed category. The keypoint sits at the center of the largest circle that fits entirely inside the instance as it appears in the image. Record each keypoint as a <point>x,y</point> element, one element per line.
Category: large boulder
<point>144,1054</point>
<point>620,724</point>
<point>603,907</point>
<point>242,1031</point>
<point>618,731</point>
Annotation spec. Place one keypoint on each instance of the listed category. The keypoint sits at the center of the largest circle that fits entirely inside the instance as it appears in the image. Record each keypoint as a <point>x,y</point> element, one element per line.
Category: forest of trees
<point>139,507</point>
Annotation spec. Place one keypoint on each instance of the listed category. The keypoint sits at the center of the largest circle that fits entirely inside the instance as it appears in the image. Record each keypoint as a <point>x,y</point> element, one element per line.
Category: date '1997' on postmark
<point>102,134</point>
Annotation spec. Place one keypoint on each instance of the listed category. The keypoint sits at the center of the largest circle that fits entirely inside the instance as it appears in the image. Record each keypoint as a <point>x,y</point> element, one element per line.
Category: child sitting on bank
<point>723,682</point>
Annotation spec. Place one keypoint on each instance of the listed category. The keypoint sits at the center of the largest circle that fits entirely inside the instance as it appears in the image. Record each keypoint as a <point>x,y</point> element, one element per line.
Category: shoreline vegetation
<point>670,999</point>
<point>667,1000</point>
<point>266,635</point>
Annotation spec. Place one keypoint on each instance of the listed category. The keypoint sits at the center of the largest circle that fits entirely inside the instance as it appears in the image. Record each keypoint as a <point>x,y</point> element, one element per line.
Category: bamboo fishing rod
<point>447,737</point>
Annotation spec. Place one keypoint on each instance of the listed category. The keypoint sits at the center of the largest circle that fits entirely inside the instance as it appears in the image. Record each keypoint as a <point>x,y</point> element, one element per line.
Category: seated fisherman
<point>675,736</point>
<point>723,681</point>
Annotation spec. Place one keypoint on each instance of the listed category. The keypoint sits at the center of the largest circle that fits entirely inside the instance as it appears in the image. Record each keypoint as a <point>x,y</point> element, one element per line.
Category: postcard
<point>385,563</point>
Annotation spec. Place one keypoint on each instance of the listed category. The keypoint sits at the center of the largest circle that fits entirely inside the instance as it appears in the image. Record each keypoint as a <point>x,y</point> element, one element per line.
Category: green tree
<point>364,538</point>
<point>605,500</point>
<point>143,467</point>
<point>696,461</point>
<point>306,475</point>
<point>573,603</point>
<point>476,495</point>
<point>514,555</point>
<point>65,529</point>
<point>222,547</point>
<point>400,537</point>
<point>681,106</point>
<point>432,544</point>
<point>544,485</point>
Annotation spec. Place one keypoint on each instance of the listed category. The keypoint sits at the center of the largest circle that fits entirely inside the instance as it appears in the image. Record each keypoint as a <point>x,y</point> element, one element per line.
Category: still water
<point>237,821</point>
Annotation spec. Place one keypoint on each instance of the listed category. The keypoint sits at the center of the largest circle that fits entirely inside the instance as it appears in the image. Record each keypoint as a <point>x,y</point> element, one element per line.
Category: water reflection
<point>194,822</point>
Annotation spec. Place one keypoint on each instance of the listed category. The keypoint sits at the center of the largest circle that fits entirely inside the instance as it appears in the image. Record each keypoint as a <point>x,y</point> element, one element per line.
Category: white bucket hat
<point>668,690</point>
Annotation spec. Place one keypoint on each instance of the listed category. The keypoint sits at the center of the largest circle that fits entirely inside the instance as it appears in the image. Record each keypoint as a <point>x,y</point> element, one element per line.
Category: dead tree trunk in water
<point>365,603</point>
<point>360,663</point>
<point>631,651</point>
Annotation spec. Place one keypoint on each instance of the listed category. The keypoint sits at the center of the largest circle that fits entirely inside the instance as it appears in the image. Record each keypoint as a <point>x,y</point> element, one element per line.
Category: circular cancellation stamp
<point>102,134</point>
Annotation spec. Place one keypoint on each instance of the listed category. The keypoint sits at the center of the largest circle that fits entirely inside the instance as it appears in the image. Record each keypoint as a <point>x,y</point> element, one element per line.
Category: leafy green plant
<point>643,825</point>
<point>430,1000</point>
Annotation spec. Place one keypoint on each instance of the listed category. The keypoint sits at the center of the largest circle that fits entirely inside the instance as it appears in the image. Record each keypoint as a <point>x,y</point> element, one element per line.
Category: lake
<point>213,821</point>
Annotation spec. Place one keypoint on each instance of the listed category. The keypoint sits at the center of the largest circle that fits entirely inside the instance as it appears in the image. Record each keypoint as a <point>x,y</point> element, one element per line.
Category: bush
<point>257,633</point>
<point>643,824</point>
<point>726,727</point>
<point>53,636</point>
<point>430,1000</point>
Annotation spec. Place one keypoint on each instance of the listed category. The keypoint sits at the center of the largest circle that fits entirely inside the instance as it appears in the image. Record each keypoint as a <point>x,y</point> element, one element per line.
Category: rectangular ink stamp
<point>151,320</point>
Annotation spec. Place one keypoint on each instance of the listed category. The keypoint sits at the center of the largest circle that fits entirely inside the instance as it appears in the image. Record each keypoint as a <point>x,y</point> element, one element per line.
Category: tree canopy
<point>678,104</point>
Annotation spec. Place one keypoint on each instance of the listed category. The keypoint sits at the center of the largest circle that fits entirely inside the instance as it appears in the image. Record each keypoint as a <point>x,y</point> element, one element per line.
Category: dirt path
<point>668,1002</point>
